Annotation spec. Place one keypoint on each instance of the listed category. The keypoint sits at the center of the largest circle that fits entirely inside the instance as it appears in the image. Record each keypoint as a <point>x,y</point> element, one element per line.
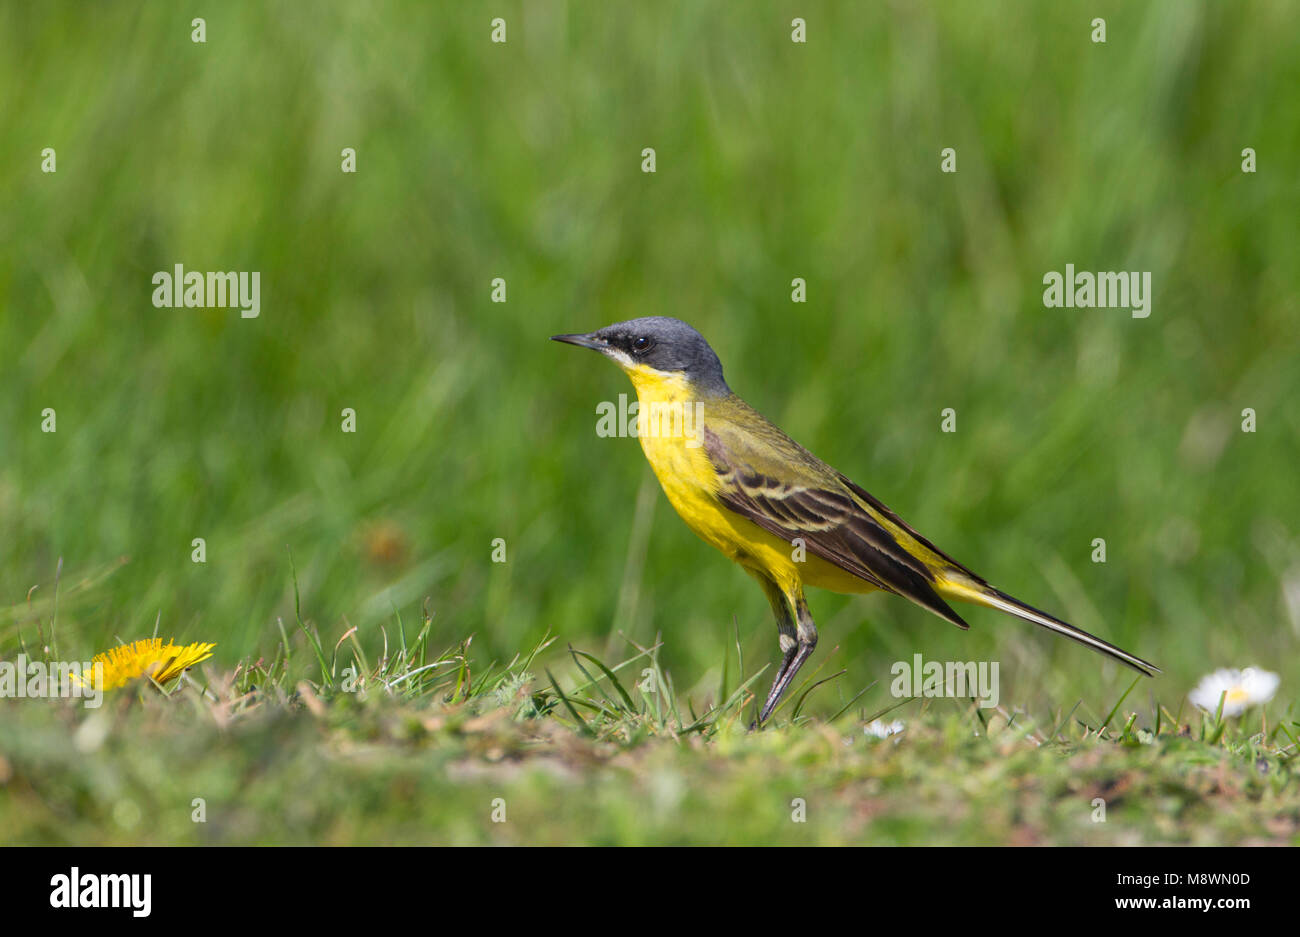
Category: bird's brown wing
<point>804,498</point>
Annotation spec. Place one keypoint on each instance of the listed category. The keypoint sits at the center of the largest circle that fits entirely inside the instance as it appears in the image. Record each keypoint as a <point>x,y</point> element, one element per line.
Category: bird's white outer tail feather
<point>993,598</point>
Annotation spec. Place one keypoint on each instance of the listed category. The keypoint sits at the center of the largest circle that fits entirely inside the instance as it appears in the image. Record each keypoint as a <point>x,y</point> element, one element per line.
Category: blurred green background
<point>775,160</point>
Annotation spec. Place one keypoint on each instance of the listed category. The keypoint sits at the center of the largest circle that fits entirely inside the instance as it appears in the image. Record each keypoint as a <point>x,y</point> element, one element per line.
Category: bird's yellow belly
<point>690,483</point>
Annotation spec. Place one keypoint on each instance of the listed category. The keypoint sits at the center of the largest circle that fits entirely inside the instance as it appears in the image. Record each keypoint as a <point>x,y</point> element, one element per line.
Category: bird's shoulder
<point>744,444</point>
<point>765,475</point>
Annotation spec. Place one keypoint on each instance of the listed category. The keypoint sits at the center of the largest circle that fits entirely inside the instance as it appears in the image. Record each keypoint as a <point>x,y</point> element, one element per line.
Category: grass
<point>522,161</point>
<point>321,744</point>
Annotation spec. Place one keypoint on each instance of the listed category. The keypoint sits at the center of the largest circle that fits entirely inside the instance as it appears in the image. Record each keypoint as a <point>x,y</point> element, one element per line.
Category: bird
<point>782,514</point>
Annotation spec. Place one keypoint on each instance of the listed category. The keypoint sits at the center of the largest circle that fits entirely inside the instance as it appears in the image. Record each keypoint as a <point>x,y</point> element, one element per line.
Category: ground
<point>447,755</point>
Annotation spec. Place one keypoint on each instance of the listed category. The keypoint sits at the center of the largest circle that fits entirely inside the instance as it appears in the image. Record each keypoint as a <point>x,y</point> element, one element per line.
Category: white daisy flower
<point>883,730</point>
<point>1243,689</point>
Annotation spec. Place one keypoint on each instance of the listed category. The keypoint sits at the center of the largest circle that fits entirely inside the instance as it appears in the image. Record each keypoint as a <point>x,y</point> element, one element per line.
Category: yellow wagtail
<point>788,518</point>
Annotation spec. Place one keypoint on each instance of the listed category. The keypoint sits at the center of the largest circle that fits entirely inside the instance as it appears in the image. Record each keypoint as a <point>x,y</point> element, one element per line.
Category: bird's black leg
<point>789,638</point>
<point>790,648</point>
<point>798,648</point>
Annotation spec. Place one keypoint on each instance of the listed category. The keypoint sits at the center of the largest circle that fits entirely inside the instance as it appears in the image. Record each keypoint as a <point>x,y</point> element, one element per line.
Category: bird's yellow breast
<point>671,420</point>
<point>670,425</point>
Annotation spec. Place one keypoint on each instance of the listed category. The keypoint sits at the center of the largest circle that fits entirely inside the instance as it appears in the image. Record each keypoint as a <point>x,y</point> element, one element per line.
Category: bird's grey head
<point>660,343</point>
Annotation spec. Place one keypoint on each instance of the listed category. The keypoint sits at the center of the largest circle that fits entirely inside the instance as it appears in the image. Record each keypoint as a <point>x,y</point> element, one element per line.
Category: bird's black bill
<point>583,341</point>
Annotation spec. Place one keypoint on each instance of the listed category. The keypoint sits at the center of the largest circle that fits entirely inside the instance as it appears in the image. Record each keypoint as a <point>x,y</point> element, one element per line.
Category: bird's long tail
<point>980,593</point>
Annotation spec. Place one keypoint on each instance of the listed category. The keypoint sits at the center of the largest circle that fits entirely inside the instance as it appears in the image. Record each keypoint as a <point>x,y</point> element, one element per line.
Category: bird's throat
<point>668,409</point>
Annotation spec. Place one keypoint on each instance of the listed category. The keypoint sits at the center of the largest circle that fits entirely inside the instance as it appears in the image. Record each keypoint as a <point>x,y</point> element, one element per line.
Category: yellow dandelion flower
<point>151,656</point>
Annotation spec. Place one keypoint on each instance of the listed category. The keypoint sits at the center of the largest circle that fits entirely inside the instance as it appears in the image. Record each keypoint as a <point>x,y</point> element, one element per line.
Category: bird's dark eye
<point>641,345</point>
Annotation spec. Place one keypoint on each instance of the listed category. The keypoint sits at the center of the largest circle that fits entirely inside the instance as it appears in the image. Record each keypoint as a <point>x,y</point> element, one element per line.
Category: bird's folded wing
<point>787,491</point>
